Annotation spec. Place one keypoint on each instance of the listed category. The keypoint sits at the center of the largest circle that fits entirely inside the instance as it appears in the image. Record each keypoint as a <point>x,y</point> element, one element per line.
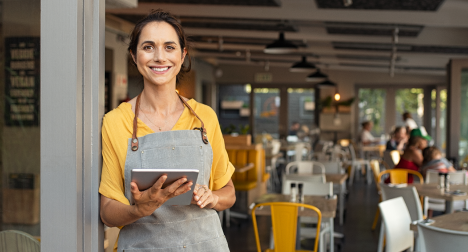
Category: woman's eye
<point>170,47</point>
<point>147,48</point>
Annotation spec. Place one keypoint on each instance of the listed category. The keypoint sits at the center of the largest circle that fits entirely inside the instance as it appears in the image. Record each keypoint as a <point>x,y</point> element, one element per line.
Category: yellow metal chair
<point>284,222</point>
<point>400,176</point>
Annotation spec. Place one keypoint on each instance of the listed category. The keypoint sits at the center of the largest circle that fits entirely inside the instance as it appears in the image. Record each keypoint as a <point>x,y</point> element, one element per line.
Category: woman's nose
<point>159,55</point>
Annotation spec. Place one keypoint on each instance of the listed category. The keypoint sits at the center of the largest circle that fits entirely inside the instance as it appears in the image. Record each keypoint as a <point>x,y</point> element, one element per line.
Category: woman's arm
<point>219,200</point>
<point>114,213</point>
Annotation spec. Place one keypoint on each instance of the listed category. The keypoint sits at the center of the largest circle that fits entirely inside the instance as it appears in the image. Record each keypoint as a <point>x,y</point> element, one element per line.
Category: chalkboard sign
<point>22,81</point>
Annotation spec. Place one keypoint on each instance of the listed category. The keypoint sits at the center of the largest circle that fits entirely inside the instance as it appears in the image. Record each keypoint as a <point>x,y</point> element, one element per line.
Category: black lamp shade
<point>280,46</point>
<point>317,76</point>
<point>302,66</point>
<point>325,84</point>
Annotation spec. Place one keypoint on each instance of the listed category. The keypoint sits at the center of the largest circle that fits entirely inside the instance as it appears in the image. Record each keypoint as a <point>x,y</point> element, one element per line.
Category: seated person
<point>412,157</point>
<point>294,128</point>
<point>398,140</point>
<point>433,161</point>
<point>365,137</point>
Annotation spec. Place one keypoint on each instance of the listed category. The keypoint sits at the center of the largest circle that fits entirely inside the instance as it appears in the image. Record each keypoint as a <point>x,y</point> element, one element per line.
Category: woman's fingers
<point>134,190</point>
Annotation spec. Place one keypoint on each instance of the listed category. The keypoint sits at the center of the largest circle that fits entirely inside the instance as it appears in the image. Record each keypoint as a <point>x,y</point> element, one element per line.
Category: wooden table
<point>454,221</point>
<point>326,206</point>
<point>433,191</point>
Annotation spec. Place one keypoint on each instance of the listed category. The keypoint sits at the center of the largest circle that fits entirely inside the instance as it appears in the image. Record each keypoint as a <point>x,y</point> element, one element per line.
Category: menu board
<point>22,81</point>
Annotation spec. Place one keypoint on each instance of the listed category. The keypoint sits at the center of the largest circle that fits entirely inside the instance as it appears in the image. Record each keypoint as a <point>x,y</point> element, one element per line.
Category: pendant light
<point>302,66</point>
<point>317,76</point>
<point>326,84</point>
<point>337,95</point>
<point>280,46</point>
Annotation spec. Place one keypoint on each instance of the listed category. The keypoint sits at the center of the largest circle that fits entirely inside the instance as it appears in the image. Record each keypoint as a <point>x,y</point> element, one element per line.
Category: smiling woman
<point>173,133</point>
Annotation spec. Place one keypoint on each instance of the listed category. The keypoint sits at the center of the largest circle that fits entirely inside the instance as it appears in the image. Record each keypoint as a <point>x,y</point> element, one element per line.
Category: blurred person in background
<point>398,140</point>
<point>410,123</point>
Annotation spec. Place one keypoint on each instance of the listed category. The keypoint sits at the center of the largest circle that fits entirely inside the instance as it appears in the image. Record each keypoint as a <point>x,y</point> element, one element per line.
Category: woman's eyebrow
<point>147,42</point>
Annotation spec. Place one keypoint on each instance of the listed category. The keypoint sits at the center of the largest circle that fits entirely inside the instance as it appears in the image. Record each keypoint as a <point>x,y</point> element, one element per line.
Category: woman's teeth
<point>160,69</point>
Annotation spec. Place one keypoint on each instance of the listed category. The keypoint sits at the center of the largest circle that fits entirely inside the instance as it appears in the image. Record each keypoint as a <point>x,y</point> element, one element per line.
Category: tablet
<point>145,178</point>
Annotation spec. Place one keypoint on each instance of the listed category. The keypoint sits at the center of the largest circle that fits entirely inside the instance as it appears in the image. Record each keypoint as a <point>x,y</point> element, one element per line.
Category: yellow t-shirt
<point>117,128</point>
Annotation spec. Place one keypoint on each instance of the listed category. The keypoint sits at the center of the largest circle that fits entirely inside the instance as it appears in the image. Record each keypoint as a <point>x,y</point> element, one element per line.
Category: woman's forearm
<point>116,214</point>
<point>226,197</point>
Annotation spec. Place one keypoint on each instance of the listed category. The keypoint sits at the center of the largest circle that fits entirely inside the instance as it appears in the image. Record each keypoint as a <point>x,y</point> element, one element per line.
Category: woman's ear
<point>133,57</point>
<point>184,52</point>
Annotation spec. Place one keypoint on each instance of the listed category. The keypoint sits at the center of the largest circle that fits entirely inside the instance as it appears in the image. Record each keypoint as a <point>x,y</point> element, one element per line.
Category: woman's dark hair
<point>161,16</point>
<point>413,141</point>
<point>397,129</point>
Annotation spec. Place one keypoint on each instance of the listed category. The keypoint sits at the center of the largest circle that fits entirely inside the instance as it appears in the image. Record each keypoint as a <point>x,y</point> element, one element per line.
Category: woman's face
<point>159,56</point>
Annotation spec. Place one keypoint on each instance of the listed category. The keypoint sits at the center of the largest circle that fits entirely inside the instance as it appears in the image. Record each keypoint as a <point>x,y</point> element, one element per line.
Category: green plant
<point>244,130</point>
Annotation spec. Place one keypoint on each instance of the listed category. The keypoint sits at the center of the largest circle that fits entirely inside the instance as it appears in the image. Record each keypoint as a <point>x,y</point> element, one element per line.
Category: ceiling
<point>331,35</point>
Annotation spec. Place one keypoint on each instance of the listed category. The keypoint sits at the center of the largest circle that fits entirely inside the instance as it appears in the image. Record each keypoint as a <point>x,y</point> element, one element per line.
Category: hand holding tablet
<point>175,184</point>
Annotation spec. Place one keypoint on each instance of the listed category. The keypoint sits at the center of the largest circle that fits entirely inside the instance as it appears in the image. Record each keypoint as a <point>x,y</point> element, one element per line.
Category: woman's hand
<point>146,202</point>
<point>204,197</point>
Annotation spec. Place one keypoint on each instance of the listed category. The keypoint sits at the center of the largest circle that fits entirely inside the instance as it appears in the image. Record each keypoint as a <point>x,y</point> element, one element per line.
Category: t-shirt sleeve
<point>112,180</point>
<point>222,169</point>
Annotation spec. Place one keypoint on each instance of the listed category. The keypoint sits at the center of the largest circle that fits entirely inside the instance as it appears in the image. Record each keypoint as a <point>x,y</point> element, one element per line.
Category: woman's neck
<point>162,100</point>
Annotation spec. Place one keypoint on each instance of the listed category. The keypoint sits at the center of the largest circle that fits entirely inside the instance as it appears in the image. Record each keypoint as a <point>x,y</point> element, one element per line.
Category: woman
<point>412,157</point>
<point>365,137</point>
<point>155,130</point>
<point>398,140</point>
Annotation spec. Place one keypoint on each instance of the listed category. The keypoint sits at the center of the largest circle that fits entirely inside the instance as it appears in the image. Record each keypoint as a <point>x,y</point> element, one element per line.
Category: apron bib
<point>172,228</point>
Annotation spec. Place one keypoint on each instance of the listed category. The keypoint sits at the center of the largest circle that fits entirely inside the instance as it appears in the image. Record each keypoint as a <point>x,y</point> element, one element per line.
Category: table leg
<point>332,237</point>
<point>448,206</point>
<point>341,203</point>
<point>368,173</point>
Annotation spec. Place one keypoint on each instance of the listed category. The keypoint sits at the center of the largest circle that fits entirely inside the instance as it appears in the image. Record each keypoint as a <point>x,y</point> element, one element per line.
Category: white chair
<point>458,177</point>
<point>18,241</point>
<point>437,239</point>
<point>316,189</point>
<point>273,151</point>
<point>412,201</point>
<point>409,195</point>
<point>391,158</point>
<point>317,178</point>
<point>396,226</point>
<point>356,164</point>
<point>333,167</point>
<point>308,167</point>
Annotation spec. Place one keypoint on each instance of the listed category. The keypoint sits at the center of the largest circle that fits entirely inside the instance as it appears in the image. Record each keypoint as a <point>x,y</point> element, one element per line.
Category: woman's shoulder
<point>119,116</point>
<point>203,111</point>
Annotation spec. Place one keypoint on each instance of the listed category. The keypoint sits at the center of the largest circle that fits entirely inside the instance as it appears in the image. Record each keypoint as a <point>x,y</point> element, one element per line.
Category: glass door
<point>267,103</point>
<point>411,102</point>
<point>372,109</point>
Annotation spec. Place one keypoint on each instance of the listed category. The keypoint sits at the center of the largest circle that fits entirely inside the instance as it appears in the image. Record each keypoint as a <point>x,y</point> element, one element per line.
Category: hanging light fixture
<point>302,66</point>
<point>326,84</point>
<point>280,46</point>
<point>337,95</point>
<point>317,76</point>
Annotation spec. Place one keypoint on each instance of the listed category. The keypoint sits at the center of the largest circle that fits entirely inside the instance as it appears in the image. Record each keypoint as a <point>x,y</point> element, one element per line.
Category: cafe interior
<point>344,119</point>
<point>298,86</point>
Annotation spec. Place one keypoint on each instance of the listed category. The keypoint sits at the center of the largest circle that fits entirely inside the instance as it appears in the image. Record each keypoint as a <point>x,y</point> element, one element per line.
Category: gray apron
<point>172,228</point>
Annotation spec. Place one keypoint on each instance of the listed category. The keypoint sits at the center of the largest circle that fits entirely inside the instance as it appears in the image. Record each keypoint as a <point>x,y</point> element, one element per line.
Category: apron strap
<point>202,129</point>
<point>135,125</point>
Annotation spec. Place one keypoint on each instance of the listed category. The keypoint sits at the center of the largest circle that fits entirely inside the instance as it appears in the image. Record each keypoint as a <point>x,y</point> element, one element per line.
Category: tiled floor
<point>361,205</point>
